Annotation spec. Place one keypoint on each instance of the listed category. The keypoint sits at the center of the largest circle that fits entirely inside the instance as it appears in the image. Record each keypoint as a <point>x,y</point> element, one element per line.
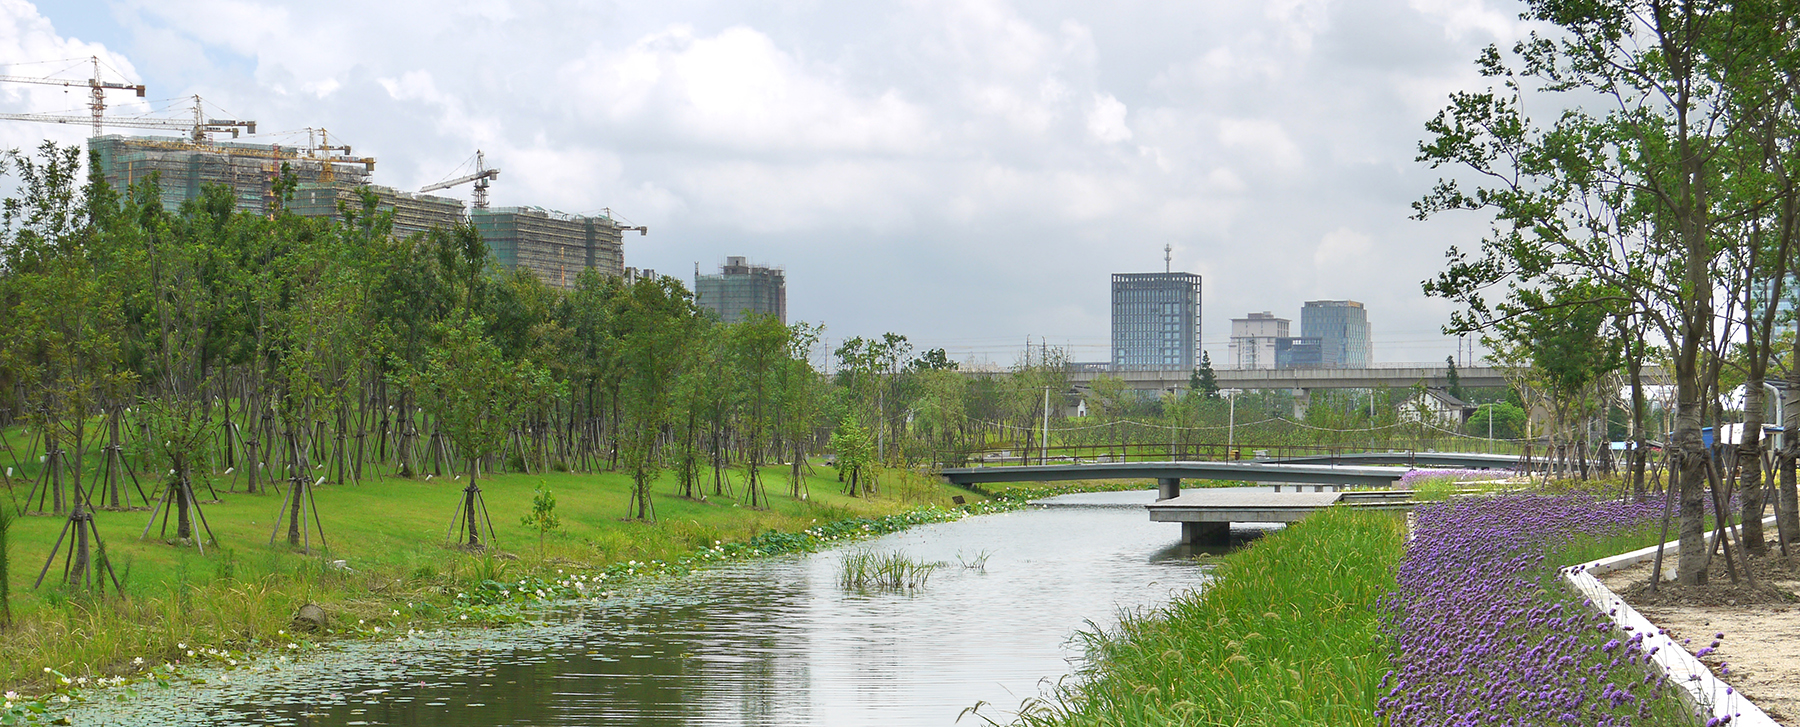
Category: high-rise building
<point>553,245</point>
<point>741,288</point>
<point>1155,321</point>
<point>1342,327</point>
<point>1254,340</point>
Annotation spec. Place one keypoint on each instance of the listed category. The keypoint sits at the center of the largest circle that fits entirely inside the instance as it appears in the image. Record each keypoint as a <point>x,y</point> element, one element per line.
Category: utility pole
<point>1044,446</point>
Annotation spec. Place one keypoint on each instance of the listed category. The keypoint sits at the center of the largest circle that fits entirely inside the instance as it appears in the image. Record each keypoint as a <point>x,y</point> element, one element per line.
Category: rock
<point>311,618</point>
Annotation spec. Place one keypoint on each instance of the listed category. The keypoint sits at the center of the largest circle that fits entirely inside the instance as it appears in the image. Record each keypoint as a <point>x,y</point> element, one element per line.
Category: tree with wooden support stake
<point>475,395</point>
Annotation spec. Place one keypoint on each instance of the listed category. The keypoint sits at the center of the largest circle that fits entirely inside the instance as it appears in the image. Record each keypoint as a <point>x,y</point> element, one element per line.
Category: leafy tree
<point>851,443</point>
<point>1628,198</point>
<point>476,395</point>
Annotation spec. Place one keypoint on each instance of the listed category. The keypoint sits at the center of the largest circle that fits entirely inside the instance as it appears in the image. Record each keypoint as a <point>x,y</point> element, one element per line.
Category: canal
<point>767,642</point>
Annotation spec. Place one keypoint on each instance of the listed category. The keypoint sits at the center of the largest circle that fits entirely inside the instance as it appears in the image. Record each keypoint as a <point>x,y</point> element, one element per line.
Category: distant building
<point>741,288</point>
<point>1254,340</point>
<point>1155,321</point>
<point>183,168</point>
<point>413,213</point>
<point>553,245</point>
<point>1342,327</point>
<point>1436,406</point>
<point>1299,352</point>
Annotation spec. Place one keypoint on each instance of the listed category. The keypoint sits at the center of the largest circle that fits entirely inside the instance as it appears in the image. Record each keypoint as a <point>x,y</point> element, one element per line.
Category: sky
<point>966,173</point>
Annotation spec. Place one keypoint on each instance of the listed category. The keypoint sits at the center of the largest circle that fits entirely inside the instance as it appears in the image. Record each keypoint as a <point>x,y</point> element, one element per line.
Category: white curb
<point>1709,696</point>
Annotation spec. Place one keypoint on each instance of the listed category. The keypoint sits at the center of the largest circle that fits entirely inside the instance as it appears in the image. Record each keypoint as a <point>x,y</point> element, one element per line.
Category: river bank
<point>762,641</point>
<point>386,566</point>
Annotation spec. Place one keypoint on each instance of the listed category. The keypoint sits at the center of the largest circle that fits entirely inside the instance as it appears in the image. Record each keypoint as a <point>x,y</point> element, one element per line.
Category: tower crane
<point>96,88</point>
<point>198,128</point>
<point>481,178</point>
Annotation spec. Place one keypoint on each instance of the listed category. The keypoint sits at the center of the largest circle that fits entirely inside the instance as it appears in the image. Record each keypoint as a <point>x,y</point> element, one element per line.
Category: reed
<point>894,571</point>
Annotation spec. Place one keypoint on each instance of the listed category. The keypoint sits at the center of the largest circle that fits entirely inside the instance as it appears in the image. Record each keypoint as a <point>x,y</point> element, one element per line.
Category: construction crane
<point>641,230</point>
<point>322,153</point>
<point>199,128</point>
<point>96,88</point>
<point>481,178</point>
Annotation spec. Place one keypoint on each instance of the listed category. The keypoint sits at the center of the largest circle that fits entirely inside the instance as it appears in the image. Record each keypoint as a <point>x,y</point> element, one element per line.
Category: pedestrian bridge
<point>1206,515</point>
<point>1474,461</point>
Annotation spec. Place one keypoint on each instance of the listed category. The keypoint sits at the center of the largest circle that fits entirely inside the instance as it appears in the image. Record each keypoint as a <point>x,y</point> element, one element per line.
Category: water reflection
<point>763,643</point>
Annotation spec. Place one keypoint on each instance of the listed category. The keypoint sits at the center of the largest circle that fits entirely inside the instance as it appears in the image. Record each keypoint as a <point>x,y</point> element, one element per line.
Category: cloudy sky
<point>964,172</point>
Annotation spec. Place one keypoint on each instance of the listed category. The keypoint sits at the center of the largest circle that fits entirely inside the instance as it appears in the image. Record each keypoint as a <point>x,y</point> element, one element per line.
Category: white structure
<point>1436,406</point>
<point>1253,340</point>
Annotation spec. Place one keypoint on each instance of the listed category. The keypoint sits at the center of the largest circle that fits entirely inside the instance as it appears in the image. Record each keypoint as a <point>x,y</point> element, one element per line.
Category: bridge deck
<point>1236,471</point>
<point>1424,459</point>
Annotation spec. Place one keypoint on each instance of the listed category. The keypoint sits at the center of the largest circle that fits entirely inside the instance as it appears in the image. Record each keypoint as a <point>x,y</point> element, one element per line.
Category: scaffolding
<point>413,213</point>
<point>183,168</point>
<point>740,289</point>
<point>553,245</point>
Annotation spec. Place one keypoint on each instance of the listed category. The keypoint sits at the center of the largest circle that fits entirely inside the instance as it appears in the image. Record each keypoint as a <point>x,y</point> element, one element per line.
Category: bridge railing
<point>1000,456</point>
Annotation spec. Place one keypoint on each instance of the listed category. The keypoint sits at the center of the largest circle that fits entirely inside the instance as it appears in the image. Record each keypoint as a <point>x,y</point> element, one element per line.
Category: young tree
<point>1626,197</point>
<point>476,395</point>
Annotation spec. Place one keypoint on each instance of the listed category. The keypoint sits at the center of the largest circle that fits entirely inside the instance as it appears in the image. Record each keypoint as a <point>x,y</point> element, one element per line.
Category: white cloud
<point>998,156</point>
<point>1106,120</point>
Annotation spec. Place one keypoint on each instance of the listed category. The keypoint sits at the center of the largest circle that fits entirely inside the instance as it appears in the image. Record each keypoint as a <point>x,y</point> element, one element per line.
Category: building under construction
<point>554,245</point>
<point>184,167</point>
<point>413,213</point>
<point>741,289</point>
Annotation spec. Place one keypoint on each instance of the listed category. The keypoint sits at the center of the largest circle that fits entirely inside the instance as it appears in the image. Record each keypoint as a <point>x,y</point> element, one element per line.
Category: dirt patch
<point>1759,654</point>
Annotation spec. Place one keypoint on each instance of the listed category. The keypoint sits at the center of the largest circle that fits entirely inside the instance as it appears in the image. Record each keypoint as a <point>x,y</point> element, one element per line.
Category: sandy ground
<point>1760,654</point>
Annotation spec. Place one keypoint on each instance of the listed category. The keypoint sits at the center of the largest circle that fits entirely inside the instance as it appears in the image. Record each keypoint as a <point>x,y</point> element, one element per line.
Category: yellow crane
<point>96,89</point>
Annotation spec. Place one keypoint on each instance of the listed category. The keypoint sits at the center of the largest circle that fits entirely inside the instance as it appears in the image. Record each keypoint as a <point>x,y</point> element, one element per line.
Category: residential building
<point>1437,407</point>
<point>412,213</point>
<point>183,168</point>
<point>553,245</point>
<point>1155,321</point>
<point>1342,327</point>
<point>740,289</point>
<point>1254,340</point>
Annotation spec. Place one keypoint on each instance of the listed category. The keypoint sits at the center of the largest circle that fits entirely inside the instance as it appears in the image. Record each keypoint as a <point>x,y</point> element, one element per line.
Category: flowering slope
<point>1483,634</point>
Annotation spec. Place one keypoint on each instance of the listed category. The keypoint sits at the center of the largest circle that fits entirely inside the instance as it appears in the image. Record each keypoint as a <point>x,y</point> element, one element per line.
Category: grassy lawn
<point>391,534</point>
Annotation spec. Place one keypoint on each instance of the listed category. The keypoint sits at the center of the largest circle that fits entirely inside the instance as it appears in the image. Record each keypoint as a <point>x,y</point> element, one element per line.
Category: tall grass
<point>6,518</point>
<point>894,571</point>
<point>1288,633</point>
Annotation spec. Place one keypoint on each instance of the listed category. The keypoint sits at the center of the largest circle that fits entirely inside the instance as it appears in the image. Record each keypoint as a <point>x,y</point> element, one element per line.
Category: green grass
<point>1287,634</point>
<point>390,532</point>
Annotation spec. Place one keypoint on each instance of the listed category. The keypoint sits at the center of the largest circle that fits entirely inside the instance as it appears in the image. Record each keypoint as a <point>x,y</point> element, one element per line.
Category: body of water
<point>767,642</point>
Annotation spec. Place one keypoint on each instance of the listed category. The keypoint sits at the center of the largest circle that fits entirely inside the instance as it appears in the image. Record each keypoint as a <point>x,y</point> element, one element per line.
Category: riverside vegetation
<point>388,569</point>
<point>1339,620</point>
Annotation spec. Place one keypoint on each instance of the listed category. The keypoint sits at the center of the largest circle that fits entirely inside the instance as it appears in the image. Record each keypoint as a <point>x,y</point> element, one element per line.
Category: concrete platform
<point>1237,506</point>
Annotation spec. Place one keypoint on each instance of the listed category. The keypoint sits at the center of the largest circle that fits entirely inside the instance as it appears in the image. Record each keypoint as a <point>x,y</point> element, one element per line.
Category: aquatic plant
<point>890,571</point>
<point>1482,631</point>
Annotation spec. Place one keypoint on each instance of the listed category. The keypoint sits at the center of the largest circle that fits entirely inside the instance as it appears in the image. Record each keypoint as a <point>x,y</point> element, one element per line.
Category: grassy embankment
<point>391,533</point>
<point>1287,634</point>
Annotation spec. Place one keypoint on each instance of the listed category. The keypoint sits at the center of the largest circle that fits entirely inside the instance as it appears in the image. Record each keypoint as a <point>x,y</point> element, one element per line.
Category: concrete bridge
<point>1206,515</point>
